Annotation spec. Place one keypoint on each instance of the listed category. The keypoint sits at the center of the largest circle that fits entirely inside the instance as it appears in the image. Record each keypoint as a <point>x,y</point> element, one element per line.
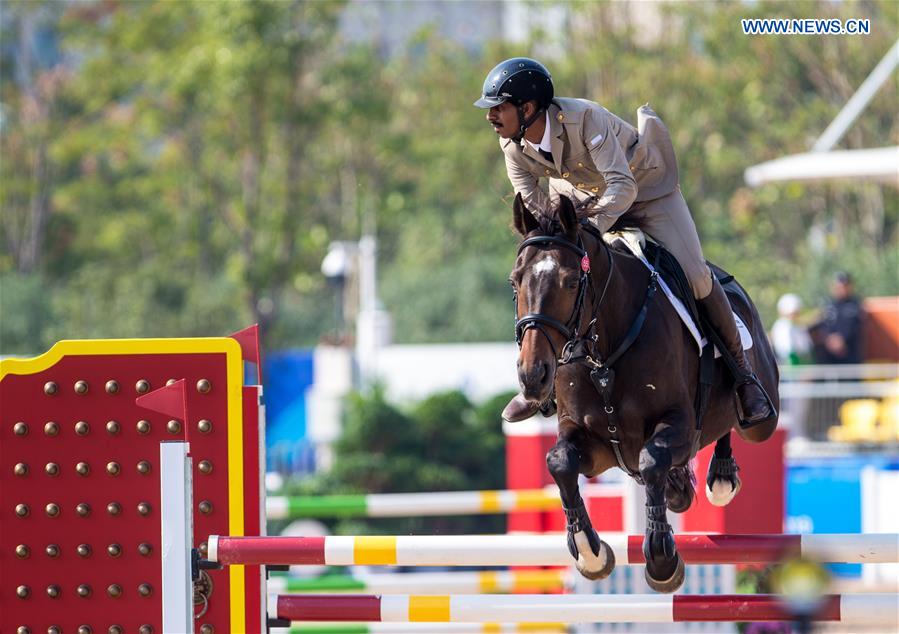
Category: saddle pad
<point>634,240</point>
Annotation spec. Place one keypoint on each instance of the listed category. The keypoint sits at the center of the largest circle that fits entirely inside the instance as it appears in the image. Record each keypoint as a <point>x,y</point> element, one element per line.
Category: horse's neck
<point>627,280</point>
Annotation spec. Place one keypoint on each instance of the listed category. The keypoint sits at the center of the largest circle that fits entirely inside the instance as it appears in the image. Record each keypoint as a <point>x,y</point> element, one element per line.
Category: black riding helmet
<point>518,81</point>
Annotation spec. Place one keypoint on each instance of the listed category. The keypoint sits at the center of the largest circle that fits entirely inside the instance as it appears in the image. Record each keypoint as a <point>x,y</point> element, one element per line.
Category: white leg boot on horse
<point>594,558</point>
<point>755,407</point>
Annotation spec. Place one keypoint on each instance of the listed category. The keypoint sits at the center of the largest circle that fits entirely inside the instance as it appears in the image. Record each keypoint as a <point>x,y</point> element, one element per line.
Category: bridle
<point>569,329</point>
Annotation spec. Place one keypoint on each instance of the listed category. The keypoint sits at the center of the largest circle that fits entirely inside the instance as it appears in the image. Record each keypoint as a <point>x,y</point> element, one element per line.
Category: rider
<point>608,168</point>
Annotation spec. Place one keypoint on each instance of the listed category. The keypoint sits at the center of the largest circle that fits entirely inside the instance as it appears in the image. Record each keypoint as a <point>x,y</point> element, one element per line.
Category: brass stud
<point>53,591</point>
<point>81,387</point>
<point>204,426</point>
<point>207,628</point>
<point>113,427</point>
<point>23,630</point>
<point>113,468</point>
<point>21,469</point>
<point>145,549</point>
<point>82,468</point>
<point>548,171</point>
<point>142,386</point>
<point>170,382</point>
<point>594,189</point>
<point>580,164</point>
<point>115,629</point>
<point>204,386</point>
<point>143,427</point>
<point>114,550</point>
<point>560,117</point>
<point>52,510</point>
<point>112,387</point>
<point>51,429</point>
<point>85,629</point>
<point>145,589</point>
<point>580,185</point>
<point>20,429</point>
<point>23,592</point>
<point>145,629</point>
<point>143,508</point>
<point>82,428</point>
<point>22,551</point>
<point>566,174</point>
<point>113,508</point>
<point>204,548</point>
<point>83,550</point>
<point>50,388</point>
<point>83,591</point>
<point>143,467</point>
<point>22,510</point>
<point>52,551</point>
<point>83,509</point>
<point>54,629</point>
<point>114,590</point>
<point>51,469</point>
<point>205,507</point>
<point>205,467</point>
<point>173,426</point>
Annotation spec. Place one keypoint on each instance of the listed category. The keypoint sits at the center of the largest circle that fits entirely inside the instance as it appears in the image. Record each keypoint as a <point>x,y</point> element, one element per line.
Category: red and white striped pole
<point>543,550</point>
<point>858,609</point>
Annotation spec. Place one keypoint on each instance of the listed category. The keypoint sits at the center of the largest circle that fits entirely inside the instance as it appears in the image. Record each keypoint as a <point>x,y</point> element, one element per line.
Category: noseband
<point>569,329</point>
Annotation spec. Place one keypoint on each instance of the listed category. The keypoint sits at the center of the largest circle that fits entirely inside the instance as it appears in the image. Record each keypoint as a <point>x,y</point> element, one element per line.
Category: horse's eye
<point>512,283</point>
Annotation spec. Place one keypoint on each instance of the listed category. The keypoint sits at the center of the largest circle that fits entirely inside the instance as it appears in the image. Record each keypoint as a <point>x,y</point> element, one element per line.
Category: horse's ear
<point>522,219</point>
<point>568,217</point>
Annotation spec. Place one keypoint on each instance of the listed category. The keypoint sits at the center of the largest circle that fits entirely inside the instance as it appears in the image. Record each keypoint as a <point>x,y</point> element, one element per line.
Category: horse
<point>625,374</point>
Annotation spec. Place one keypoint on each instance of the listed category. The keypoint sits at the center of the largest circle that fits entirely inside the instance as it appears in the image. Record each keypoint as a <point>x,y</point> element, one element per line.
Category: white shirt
<point>545,144</point>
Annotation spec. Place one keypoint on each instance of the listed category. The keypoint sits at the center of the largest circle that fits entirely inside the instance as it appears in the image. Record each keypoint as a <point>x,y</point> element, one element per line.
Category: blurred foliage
<point>179,168</point>
<point>443,443</point>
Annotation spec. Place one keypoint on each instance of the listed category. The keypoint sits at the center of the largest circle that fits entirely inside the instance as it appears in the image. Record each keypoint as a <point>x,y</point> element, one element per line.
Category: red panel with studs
<point>80,490</point>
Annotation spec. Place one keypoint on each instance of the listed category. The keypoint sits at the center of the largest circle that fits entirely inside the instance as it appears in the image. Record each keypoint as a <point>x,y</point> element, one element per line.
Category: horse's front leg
<point>669,445</point>
<point>594,558</point>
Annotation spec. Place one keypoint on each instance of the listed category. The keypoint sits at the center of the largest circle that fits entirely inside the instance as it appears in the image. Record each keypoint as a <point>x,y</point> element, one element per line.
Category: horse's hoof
<point>680,489</point>
<point>671,584</point>
<point>680,502</point>
<point>723,490</point>
<point>594,567</point>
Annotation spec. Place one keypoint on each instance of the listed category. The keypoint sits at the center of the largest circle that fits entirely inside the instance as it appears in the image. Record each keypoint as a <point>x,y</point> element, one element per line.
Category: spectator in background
<point>791,341</point>
<point>838,336</point>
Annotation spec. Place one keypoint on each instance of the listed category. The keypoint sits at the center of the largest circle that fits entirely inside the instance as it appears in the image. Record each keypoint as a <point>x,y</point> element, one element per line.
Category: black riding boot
<point>754,404</point>
<point>520,409</point>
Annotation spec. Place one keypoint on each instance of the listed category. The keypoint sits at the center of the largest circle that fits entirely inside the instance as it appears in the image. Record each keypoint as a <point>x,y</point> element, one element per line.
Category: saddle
<point>632,241</point>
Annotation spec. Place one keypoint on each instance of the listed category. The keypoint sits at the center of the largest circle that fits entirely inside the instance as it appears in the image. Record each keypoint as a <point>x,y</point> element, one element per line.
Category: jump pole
<point>858,609</point>
<point>543,550</point>
<point>441,503</point>
<point>495,581</point>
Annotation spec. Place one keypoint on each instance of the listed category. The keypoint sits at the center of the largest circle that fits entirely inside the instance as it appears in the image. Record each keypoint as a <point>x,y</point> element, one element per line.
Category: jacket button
<point>565,174</point>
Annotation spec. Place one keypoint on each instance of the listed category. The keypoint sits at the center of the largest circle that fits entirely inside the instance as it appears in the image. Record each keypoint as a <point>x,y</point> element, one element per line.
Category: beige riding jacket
<point>599,161</point>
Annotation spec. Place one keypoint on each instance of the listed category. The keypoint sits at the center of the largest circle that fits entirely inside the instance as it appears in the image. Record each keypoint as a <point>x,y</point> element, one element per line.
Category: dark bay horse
<point>577,302</point>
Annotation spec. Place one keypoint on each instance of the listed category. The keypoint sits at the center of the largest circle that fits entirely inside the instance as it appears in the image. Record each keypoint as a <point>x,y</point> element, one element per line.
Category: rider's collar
<point>545,142</point>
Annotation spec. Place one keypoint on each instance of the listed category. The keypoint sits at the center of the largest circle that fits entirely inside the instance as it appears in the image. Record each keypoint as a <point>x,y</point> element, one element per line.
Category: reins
<point>582,348</point>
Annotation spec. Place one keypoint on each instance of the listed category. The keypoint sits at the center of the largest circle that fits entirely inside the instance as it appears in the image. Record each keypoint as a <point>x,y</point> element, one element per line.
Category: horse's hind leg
<point>669,445</point>
<point>593,557</point>
<point>722,481</point>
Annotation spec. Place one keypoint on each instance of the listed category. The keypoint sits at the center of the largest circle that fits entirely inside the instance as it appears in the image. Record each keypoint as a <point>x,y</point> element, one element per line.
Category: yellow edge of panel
<point>490,502</point>
<point>536,501</point>
<point>236,526</point>
<point>425,609</point>
<point>379,550</point>
<point>542,627</point>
